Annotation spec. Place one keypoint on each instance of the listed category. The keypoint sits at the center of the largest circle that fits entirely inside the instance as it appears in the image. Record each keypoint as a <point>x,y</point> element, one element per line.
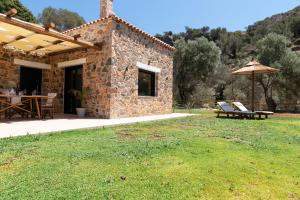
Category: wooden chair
<point>17,107</point>
<point>48,107</point>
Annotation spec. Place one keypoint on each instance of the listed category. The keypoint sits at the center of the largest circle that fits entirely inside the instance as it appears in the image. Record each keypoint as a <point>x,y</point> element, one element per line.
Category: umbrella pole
<point>253,91</point>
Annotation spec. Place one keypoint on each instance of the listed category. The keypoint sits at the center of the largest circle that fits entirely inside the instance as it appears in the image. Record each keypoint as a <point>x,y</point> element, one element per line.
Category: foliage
<point>237,89</point>
<point>23,12</point>
<point>167,37</point>
<point>280,24</point>
<point>62,18</point>
<point>10,85</point>
<point>195,60</point>
<point>231,44</point>
<point>272,48</point>
<point>273,51</point>
<point>198,157</point>
<point>288,79</point>
<point>295,26</point>
<point>81,95</point>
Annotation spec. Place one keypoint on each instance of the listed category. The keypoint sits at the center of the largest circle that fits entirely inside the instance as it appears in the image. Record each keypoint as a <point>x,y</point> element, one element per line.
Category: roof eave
<point>134,28</point>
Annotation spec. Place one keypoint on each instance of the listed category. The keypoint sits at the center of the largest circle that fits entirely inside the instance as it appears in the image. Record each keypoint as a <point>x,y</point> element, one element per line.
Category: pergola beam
<point>77,36</point>
<point>36,48</point>
<point>18,38</point>
<point>44,47</point>
<point>50,26</point>
<point>66,51</point>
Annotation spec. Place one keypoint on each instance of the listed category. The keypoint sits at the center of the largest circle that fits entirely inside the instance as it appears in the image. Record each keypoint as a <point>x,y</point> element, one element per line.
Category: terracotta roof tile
<point>134,28</point>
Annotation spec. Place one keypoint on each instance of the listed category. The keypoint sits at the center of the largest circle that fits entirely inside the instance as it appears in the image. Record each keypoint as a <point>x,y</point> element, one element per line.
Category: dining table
<point>5,101</point>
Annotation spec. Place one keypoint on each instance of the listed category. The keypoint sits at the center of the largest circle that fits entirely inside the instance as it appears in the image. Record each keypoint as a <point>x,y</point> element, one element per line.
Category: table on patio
<point>36,99</point>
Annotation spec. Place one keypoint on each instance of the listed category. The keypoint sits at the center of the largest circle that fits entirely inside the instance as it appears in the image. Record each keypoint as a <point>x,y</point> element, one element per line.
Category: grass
<point>198,157</point>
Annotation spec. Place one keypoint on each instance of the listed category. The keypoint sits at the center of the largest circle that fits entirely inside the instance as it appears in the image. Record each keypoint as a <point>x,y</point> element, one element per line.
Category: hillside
<point>287,24</point>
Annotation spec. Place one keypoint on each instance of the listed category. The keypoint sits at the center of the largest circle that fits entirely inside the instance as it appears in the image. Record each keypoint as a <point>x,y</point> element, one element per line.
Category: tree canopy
<point>195,61</point>
<point>23,12</point>
<point>62,18</point>
<point>272,48</point>
<point>295,26</point>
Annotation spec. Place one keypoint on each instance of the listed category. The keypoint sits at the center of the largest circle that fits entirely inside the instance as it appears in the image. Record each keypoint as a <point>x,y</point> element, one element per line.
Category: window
<point>146,83</point>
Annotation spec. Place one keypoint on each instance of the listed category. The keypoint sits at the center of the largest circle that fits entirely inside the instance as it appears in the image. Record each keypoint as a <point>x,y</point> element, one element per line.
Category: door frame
<point>33,68</point>
<point>64,83</point>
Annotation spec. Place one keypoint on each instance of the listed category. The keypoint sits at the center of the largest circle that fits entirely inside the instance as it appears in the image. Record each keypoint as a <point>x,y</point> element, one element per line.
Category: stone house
<point>127,71</point>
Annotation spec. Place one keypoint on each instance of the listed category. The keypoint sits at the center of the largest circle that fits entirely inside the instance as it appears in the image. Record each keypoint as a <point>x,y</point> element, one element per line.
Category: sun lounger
<point>241,107</point>
<point>227,110</point>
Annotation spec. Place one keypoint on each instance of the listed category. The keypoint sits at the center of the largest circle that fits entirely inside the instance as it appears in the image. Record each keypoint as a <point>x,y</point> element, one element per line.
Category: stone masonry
<point>125,47</point>
<point>130,47</point>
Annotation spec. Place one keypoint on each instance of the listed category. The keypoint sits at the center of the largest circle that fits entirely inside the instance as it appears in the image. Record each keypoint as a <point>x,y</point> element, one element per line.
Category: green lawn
<point>199,157</point>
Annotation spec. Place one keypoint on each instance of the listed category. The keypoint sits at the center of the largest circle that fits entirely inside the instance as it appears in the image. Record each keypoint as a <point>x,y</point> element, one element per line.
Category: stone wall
<point>98,33</point>
<point>10,71</point>
<point>97,70</point>
<point>95,77</point>
<point>130,47</point>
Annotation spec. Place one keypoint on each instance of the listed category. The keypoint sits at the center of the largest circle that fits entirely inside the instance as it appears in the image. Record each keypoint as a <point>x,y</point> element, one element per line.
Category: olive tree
<point>194,62</point>
<point>62,18</point>
<point>273,51</point>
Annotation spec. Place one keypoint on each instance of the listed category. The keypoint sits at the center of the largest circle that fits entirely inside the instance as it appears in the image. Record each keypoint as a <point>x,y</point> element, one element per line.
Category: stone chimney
<point>106,8</point>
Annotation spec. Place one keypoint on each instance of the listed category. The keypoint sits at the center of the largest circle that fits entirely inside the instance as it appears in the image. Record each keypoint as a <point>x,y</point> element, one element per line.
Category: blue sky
<point>157,16</point>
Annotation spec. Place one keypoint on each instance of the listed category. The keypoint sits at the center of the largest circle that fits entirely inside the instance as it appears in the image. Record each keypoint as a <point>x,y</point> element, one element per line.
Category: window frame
<point>153,92</point>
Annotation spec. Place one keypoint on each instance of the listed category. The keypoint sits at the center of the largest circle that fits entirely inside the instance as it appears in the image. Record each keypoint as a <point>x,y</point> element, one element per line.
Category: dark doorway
<point>30,80</point>
<point>73,81</point>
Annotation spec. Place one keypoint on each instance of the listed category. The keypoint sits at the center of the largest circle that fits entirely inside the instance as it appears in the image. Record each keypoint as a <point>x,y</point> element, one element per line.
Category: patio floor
<point>66,123</point>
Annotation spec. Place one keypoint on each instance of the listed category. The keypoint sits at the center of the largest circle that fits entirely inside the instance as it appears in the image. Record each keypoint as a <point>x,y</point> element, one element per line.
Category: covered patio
<point>36,61</point>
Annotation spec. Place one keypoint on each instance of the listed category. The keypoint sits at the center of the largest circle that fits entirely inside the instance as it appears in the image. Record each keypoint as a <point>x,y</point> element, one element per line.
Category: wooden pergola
<point>34,39</point>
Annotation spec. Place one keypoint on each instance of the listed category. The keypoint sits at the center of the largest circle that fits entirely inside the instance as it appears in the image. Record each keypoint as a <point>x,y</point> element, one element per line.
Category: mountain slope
<point>287,24</point>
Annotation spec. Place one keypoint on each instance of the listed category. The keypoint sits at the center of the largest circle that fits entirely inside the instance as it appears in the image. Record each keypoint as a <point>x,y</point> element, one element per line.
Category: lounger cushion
<point>225,107</point>
<point>240,106</point>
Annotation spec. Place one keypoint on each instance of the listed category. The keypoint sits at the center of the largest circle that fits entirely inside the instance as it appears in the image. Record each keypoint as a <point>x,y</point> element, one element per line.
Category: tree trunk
<point>182,93</point>
<point>271,104</point>
<point>182,87</point>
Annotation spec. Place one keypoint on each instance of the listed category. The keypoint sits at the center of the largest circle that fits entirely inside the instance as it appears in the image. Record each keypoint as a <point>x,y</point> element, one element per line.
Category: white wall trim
<point>148,67</point>
<point>71,63</point>
<point>31,64</point>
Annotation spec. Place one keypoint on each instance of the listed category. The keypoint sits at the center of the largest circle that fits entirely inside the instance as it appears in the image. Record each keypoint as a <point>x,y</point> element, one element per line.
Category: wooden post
<point>253,79</point>
<point>12,12</point>
<point>77,36</point>
<point>49,26</point>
